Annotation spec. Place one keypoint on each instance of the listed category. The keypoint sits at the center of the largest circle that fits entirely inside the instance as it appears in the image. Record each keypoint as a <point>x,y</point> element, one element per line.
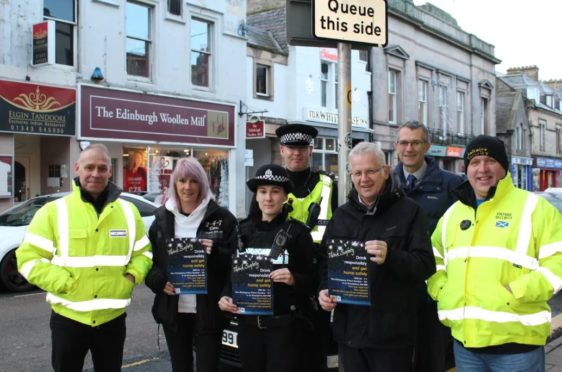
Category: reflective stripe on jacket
<point>81,258</point>
<point>322,194</point>
<point>497,266</point>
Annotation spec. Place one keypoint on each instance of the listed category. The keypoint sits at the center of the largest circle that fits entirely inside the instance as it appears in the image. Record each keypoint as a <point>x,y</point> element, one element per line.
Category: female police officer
<point>272,343</point>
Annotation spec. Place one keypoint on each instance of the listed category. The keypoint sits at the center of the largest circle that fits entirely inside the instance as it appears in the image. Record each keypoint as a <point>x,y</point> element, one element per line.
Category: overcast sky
<point>523,32</point>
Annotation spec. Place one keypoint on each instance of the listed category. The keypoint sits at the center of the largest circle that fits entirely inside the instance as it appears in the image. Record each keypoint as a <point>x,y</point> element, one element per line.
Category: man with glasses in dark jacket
<point>430,186</point>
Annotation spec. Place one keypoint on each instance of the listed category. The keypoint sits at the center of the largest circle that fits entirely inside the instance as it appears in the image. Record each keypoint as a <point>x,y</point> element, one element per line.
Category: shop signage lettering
<point>455,152</point>
<point>333,118</point>
<point>362,21</point>
<point>43,43</point>
<point>255,129</point>
<point>37,109</point>
<point>436,150</point>
<point>116,114</point>
<point>549,163</point>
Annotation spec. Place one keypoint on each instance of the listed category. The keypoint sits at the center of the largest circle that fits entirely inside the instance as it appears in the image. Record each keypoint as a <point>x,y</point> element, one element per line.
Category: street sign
<point>255,129</point>
<point>358,21</point>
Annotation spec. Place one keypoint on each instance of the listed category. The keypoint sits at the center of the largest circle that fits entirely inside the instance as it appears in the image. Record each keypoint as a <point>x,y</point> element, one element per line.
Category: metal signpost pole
<point>344,119</point>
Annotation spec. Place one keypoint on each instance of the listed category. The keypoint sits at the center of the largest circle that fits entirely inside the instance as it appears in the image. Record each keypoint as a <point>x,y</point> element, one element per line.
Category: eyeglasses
<point>414,143</point>
<point>368,173</point>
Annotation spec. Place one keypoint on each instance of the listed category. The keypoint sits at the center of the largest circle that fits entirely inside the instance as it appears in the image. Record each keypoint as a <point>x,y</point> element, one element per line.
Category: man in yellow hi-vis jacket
<point>498,253</point>
<point>87,250</point>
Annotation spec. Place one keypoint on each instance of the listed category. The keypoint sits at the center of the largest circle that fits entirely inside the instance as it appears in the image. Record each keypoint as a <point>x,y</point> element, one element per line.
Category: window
<point>325,155</point>
<point>174,7</point>
<point>392,96</point>
<point>483,114</point>
<point>542,135</point>
<point>519,137</point>
<point>63,12</point>
<point>460,111</point>
<point>201,50</point>
<point>263,79</point>
<point>329,84</point>
<point>443,108</point>
<point>558,139</point>
<point>138,39</point>
<point>422,102</point>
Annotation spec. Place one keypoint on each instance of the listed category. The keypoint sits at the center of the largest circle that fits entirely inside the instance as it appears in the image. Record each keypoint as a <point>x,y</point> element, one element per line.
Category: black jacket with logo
<point>390,320</point>
<point>217,223</point>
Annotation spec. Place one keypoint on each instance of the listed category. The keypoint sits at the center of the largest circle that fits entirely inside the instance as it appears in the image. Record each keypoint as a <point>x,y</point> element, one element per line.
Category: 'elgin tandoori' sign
<point>117,114</point>
<point>37,109</point>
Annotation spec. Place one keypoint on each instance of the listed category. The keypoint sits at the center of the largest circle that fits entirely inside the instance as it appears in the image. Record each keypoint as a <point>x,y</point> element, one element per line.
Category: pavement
<point>553,348</point>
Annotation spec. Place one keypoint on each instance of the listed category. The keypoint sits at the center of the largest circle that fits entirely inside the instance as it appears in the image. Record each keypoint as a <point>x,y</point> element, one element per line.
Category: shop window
<point>138,39</point>
<point>201,52</point>
<point>325,155</point>
<point>54,170</point>
<point>63,12</point>
<point>135,177</point>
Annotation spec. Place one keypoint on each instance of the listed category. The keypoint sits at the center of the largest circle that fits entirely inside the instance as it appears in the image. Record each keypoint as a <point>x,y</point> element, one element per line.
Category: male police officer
<point>313,199</point>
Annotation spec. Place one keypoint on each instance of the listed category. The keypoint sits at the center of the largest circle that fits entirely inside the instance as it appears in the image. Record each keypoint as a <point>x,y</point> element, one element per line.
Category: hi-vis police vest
<point>322,195</point>
<point>496,268</point>
<point>81,258</point>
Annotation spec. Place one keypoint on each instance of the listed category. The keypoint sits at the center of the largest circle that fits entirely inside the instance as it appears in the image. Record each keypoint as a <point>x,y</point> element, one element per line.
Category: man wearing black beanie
<point>496,266</point>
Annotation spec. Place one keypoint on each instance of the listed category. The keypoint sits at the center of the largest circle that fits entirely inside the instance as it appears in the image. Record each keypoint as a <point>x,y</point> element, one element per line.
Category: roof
<point>272,22</point>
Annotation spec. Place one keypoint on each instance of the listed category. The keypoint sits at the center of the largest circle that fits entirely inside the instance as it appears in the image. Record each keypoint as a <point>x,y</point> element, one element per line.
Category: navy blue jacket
<point>433,192</point>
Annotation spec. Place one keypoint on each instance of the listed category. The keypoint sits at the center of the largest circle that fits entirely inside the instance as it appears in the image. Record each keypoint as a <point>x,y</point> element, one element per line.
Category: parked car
<point>554,198</point>
<point>14,221</point>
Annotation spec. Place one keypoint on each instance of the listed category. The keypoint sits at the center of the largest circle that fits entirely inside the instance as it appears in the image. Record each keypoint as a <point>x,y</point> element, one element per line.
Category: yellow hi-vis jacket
<point>321,194</point>
<point>81,258</point>
<point>497,266</point>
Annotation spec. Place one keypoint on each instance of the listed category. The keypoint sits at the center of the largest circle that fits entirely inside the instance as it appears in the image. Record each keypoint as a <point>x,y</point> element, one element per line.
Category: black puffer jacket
<point>391,319</point>
<point>219,223</point>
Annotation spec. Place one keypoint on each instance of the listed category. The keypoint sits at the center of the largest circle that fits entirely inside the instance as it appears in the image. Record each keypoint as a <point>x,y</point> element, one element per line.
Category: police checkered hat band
<point>270,174</point>
<point>296,134</point>
<point>296,137</point>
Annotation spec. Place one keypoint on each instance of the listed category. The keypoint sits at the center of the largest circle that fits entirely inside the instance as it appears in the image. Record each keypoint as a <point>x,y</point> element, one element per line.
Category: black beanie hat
<point>270,174</point>
<point>484,145</point>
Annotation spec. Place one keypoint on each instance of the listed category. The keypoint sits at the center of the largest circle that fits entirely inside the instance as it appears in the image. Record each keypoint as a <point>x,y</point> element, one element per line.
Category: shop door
<point>21,177</point>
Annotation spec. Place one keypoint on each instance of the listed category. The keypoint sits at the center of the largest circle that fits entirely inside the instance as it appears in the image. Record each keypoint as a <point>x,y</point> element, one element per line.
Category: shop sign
<point>549,163</point>
<point>436,150</point>
<point>44,43</point>
<point>359,21</point>
<point>333,118</point>
<point>255,129</point>
<point>117,114</point>
<point>329,54</point>
<point>521,160</point>
<point>37,109</point>
<point>6,182</point>
<point>455,152</point>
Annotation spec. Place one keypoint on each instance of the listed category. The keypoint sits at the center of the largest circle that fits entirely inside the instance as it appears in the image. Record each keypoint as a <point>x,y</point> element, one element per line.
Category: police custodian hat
<point>296,134</point>
<point>270,174</point>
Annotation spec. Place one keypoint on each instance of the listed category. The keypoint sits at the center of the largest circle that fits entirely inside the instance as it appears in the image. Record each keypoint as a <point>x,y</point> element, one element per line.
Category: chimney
<point>530,71</point>
<point>554,84</point>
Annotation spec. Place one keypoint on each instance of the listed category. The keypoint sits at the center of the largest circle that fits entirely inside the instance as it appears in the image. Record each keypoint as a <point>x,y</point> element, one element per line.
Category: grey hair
<point>367,148</point>
<point>99,147</point>
<point>413,125</point>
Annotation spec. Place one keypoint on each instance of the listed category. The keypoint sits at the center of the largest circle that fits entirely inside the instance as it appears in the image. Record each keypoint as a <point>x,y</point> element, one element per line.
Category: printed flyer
<point>347,272</point>
<point>252,289</point>
<point>187,265</point>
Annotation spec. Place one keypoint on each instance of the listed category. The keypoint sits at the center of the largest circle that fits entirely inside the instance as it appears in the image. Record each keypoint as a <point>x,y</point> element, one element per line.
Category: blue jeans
<point>469,361</point>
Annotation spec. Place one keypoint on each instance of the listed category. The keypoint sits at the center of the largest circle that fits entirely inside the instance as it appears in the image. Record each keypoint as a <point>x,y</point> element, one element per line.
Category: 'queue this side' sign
<point>360,21</point>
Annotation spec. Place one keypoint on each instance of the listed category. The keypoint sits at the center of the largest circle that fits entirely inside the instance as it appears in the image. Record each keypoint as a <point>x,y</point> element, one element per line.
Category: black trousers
<point>71,341</point>
<point>432,338</point>
<point>375,360</point>
<point>274,349</point>
<point>317,339</point>
<point>183,337</point>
